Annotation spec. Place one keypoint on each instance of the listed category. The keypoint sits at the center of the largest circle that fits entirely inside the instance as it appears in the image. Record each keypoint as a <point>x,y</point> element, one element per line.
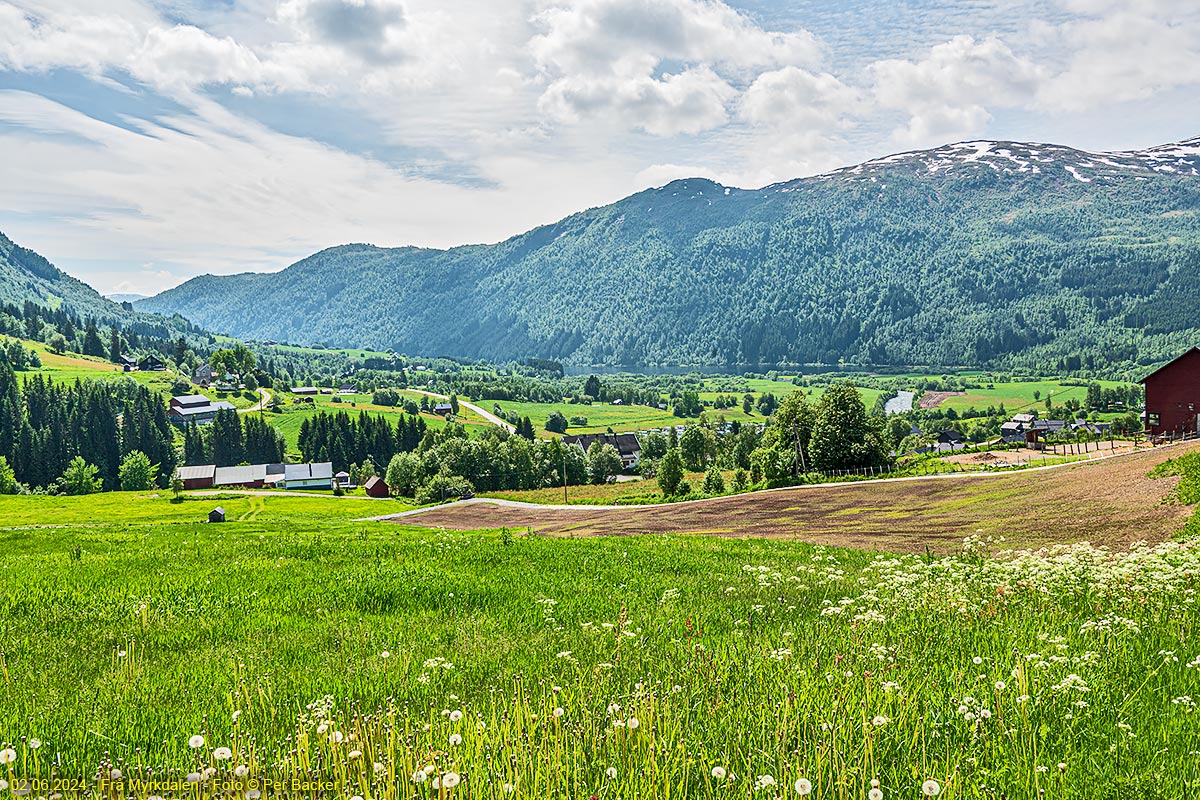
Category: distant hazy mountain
<point>975,253</point>
<point>125,298</point>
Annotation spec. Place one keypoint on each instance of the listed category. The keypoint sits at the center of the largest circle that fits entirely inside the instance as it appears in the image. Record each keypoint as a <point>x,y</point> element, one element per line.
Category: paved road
<point>489,416</point>
<point>264,398</point>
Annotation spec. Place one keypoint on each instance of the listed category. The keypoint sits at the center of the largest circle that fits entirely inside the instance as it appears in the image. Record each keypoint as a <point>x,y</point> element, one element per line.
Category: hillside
<point>979,253</point>
<point>26,275</point>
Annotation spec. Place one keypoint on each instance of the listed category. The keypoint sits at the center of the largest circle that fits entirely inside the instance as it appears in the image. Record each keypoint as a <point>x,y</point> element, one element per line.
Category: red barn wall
<point>1173,393</point>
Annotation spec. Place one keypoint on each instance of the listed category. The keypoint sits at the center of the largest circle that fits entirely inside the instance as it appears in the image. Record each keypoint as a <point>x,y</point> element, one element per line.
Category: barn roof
<point>196,473</point>
<point>231,476</point>
<point>1180,357</point>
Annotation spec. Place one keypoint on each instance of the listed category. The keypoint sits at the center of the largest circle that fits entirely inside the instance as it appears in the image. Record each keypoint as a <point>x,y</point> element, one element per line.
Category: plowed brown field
<point>1108,502</point>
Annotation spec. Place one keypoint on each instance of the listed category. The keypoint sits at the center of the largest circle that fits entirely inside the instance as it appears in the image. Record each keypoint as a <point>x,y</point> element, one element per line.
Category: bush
<point>557,423</point>
<point>714,482</point>
<point>670,473</point>
<point>443,487</point>
<point>739,480</point>
<point>136,472</point>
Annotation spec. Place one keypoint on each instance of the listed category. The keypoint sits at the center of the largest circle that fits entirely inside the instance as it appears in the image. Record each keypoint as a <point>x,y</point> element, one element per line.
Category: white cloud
<point>948,93</point>
<point>662,66</point>
<point>209,192</point>
<point>1119,54</point>
<point>795,98</point>
<point>689,102</point>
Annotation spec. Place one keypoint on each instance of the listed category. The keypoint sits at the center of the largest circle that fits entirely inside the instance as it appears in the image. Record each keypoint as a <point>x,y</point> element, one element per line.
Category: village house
<point>204,375</point>
<point>305,390</point>
<point>308,476</point>
<point>1173,396</point>
<point>627,445</point>
<point>195,408</point>
<point>128,363</point>
<point>151,363</point>
<point>443,408</point>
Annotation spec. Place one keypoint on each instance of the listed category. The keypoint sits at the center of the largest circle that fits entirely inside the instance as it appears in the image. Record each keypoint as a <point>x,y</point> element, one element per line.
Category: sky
<point>143,143</point>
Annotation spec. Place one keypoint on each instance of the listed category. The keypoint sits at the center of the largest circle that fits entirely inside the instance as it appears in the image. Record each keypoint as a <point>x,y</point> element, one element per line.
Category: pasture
<point>152,653</point>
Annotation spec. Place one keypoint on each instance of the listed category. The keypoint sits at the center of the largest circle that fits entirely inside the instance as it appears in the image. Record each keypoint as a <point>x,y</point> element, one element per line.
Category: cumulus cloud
<point>689,102</point>
<point>614,58</point>
<point>798,99</point>
<point>948,93</point>
<point>369,29</point>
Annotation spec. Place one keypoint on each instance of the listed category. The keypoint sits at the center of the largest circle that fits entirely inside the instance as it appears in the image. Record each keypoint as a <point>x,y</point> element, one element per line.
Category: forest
<point>962,268</point>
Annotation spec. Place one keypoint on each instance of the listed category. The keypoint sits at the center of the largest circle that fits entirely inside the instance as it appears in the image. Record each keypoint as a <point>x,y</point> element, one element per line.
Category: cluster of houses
<point>207,377</point>
<point>626,444</point>
<point>195,408</point>
<point>274,476</point>
<point>1033,431</point>
<point>258,476</point>
<point>147,363</point>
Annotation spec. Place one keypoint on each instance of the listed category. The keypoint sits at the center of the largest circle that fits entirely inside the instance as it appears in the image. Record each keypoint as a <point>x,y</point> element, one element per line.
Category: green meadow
<point>149,653</point>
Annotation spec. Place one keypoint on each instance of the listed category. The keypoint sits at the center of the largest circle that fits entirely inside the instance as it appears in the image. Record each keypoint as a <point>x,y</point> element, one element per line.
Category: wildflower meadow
<point>296,652</point>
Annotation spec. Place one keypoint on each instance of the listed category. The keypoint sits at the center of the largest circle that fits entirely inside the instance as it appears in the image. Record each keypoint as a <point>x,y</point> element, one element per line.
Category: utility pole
<point>564,474</point>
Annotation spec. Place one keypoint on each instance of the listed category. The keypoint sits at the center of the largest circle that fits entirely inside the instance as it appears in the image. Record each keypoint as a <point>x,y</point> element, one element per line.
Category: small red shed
<point>1173,396</point>
<point>376,487</point>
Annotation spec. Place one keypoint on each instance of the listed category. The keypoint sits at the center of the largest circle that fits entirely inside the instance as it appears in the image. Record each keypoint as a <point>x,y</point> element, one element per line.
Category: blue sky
<point>147,142</point>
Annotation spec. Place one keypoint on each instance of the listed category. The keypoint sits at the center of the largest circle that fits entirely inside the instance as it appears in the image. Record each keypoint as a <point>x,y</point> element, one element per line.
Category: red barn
<point>376,487</point>
<point>1173,396</point>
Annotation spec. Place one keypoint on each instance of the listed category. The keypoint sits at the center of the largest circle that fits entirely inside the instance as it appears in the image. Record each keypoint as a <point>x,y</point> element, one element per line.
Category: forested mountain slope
<point>28,277</point>
<point>977,253</point>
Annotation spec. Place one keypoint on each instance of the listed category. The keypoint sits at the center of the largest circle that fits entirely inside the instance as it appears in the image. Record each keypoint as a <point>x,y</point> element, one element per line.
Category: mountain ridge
<point>976,253</point>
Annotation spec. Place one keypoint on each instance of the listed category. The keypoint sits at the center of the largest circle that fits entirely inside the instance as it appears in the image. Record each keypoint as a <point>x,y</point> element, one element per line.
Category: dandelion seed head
<point>804,787</point>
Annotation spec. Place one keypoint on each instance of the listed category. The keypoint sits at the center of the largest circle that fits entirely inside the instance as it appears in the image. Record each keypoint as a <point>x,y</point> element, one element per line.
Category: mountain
<point>971,254</point>
<point>26,275</point>
<point>125,298</point>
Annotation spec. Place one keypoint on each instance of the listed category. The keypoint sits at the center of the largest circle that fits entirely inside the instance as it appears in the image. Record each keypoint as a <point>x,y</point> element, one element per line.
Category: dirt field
<point>934,399</point>
<point>1108,502</point>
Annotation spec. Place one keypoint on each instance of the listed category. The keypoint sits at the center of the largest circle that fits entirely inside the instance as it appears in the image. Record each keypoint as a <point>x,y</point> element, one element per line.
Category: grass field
<point>1018,396</point>
<point>290,418</point>
<point>601,416</point>
<point>295,644</point>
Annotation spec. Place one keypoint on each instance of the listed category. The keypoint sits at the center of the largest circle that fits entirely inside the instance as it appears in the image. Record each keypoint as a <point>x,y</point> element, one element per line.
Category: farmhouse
<point>1173,396</point>
<point>195,408</point>
<point>305,390</point>
<point>308,476</point>
<point>204,376</point>
<point>128,363</point>
<point>197,477</point>
<point>151,363</point>
<point>443,409</point>
<point>626,443</point>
